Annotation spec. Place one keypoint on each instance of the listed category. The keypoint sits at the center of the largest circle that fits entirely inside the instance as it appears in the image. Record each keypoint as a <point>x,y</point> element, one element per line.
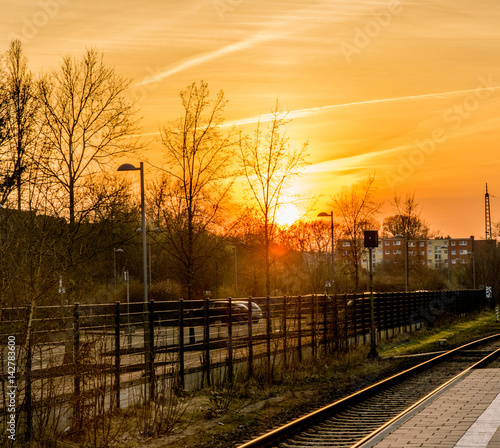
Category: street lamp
<point>130,167</point>
<point>115,250</point>
<point>322,215</point>
<point>147,345</point>
<point>149,250</point>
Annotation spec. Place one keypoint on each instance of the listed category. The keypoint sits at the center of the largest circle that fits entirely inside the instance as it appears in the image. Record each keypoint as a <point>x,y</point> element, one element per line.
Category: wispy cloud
<point>208,57</point>
<point>316,110</point>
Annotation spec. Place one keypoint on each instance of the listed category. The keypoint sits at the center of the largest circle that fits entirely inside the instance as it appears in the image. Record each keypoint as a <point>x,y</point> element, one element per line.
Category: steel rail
<point>438,389</point>
<point>278,435</point>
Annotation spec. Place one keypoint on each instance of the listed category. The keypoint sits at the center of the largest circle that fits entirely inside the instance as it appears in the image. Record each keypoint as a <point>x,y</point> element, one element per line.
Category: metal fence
<point>117,354</point>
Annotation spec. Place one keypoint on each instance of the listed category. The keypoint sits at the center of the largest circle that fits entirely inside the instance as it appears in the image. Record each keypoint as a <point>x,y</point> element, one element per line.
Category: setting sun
<point>288,214</point>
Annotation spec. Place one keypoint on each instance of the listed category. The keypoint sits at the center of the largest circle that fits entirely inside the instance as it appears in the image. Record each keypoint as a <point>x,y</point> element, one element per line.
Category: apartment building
<point>435,253</point>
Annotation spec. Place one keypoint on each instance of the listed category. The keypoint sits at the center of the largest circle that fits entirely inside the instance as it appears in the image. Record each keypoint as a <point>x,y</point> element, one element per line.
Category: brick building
<point>435,253</point>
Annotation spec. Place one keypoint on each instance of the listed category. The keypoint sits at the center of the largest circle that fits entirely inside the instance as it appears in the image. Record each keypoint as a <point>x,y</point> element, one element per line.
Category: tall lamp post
<point>115,250</point>
<point>322,215</point>
<point>147,346</point>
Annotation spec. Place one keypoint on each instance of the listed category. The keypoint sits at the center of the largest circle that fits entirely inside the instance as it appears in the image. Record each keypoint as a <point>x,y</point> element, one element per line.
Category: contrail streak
<point>197,60</point>
<point>316,110</point>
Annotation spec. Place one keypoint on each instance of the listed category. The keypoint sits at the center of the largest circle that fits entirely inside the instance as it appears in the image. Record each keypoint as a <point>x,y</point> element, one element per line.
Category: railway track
<point>352,421</point>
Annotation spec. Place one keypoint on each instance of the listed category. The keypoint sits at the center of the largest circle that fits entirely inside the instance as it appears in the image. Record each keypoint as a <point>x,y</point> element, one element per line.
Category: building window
<point>463,243</point>
<point>397,252</point>
<point>387,242</point>
<point>411,244</point>
<point>453,252</point>
<point>346,244</point>
<point>387,252</point>
<point>463,251</point>
<point>453,261</point>
<point>397,243</point>
<point>452,243</point>
<point>429,252</point>
<point>422,244</point>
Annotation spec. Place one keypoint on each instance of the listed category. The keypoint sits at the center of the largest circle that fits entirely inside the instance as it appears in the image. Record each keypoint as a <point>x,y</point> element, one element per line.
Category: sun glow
<point>287,214</point>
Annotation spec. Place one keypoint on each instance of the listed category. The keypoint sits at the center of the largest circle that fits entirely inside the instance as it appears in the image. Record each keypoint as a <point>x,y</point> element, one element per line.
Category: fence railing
<point>68,354</point>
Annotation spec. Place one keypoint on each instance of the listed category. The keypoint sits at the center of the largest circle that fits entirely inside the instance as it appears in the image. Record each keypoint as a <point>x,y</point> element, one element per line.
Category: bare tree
<point>191,199</point>
<point>20,121</point>
<point>406,221</point>
<point>269,165</point>
<point>356,208</point>
<point>87,123</point>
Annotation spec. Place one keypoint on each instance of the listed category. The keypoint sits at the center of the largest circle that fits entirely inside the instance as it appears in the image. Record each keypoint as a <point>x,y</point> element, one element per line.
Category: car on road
<point>218,311</point>
<point>256,311</point>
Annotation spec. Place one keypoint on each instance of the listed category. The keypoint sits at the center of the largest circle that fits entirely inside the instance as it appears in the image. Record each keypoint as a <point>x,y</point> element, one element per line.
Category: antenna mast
<point>487,214</point>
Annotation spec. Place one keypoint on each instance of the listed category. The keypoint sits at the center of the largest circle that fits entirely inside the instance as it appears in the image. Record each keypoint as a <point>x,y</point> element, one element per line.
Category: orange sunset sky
<point>408,90</point>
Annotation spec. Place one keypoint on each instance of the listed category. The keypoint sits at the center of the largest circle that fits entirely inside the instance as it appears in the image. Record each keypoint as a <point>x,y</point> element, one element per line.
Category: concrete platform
<point>465,415</point>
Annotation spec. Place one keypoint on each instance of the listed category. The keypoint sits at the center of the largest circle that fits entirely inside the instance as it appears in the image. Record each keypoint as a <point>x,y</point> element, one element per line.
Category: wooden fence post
<point>268,335</point>
<point>284,330</point>
<point>181,344</point>
<point>229,359</point>
<point>299,327</point>
<point>206,340</point>
<point>313,325</point>
<point>250,341</point>
<point>151,362</point>
<point>77,417</point>
<point>325,324</point>
<point>117,354</point>
<point>28,388</point>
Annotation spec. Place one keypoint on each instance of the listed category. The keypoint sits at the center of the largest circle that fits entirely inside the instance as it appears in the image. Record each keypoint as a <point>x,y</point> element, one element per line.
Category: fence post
<point>230,339</point>
<point>325,324</point>
<point>250,341</point>
<point>117,354</point>
<point>284,331</point>
<point>268,334</point>
<point>77,417</point>
<point>355,318</point>
<point>28,390</point>
<point>346,323</point>
<point>336,335</point>
<point>151,365</point>
<point>206,340</point>
<point>313,325</point>
<point>181,344</point>
<point>299,327</point>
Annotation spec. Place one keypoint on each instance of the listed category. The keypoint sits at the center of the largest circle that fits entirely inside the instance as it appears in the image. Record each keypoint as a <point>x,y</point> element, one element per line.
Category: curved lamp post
<point>148,358</point>
<point>130,167</point>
